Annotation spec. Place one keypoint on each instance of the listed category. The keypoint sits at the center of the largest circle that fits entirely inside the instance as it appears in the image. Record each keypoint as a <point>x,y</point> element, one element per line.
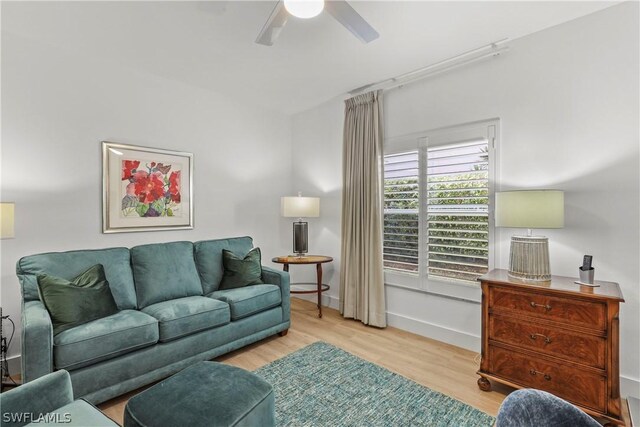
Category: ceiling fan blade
<point>347,16</point>
<point>274,25</point>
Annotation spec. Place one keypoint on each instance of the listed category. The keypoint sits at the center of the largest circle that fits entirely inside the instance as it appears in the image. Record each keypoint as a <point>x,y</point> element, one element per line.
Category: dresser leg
<point>484,384</point>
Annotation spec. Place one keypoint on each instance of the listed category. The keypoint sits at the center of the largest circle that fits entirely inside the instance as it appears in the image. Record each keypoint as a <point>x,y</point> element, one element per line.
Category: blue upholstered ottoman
<point>205,394</point>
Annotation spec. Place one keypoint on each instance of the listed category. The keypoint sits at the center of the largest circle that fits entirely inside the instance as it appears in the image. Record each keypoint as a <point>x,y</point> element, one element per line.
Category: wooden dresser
<point>555,336</point>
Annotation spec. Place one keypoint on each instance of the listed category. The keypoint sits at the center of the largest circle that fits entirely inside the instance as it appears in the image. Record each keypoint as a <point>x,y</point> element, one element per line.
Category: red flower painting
<point>152,190</point>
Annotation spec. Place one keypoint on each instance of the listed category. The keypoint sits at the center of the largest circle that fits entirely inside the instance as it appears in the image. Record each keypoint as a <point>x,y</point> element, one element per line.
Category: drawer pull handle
<point>547,340</point>
<point>547,307</point>
<point>545,376</point>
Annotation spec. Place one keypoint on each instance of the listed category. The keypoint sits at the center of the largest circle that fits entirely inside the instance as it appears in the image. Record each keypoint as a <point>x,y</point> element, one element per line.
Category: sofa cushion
<point>116,263</point>
<point>249,300</point>
<point>184,316</point>
<point>241,270</point>
<point>208,255</point>
<point>73,302</point>
<point>164,271</point>
<point>103,339</point>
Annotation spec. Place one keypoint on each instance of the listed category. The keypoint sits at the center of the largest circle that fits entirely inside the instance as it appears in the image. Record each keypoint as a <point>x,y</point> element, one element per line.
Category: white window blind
<point>456,199</point>
<point>401,216</point>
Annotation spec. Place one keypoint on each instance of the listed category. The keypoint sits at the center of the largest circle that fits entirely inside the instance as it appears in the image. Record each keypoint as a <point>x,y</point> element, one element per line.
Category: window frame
<point>420,141</point>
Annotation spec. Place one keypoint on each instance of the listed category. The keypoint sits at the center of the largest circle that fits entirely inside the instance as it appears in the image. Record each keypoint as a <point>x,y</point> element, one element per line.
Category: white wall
<point>317,172</point>
<point>57,107</point>
<point>568,99</point>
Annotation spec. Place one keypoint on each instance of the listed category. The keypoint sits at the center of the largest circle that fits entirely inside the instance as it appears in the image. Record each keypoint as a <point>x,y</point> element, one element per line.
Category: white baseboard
<point>419,327</point>
<point>436,332</point>
<point>629,387</point>
<point>327,300</point>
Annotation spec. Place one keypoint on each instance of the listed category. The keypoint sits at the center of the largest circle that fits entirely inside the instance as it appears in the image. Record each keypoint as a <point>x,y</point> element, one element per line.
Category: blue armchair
<point>48,401</point>
<point>535,408</point>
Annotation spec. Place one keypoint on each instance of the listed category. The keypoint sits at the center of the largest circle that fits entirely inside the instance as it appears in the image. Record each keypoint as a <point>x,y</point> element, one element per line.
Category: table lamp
<point>6,220</point>
<point>300,207</point>
<point>529,255</point>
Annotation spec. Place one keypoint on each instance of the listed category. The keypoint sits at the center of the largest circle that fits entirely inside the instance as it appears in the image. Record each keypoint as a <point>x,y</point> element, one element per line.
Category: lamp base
<point>529,258</point>
<point>300,238</point>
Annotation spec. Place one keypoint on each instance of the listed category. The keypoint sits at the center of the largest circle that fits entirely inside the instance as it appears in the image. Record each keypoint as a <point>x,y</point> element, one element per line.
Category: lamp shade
<point>300,207</point>
<point>6,220</point>
<point>530,209</point>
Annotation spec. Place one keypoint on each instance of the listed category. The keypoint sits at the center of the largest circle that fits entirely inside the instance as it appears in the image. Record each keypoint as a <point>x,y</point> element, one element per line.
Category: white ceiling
<point>211,44</point>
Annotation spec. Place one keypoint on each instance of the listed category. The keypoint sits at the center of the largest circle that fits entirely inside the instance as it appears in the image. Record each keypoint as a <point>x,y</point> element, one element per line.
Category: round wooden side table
<point>318,260</point>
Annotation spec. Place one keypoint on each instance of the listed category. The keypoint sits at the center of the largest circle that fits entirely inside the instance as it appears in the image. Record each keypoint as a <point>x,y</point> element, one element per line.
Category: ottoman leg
<point>283,333</point>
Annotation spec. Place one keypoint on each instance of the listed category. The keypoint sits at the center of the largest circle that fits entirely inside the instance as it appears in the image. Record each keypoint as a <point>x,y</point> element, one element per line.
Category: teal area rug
<point>322,385</point>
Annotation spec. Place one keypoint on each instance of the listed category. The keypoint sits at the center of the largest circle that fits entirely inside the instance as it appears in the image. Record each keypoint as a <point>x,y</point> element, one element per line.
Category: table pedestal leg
<point>319,274</point>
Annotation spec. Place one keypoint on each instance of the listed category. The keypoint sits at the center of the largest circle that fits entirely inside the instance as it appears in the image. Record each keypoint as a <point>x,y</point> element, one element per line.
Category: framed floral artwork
<point>146,189</point>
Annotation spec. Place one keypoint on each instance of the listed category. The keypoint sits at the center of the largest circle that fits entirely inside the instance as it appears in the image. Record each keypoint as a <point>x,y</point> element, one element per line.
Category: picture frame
<point>145,189</point>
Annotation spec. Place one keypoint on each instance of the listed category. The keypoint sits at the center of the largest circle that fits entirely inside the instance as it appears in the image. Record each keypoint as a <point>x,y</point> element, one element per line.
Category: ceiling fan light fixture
<point>304,8</point>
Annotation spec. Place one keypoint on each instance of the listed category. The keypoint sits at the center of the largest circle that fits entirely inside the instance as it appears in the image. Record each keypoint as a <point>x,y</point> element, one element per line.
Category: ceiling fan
<point>339,9</point>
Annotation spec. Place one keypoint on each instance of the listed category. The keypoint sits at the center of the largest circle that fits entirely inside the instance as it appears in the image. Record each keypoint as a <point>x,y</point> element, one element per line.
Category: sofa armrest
<point>37,341</point>
<point>280,278</point>
<point>26,403</point>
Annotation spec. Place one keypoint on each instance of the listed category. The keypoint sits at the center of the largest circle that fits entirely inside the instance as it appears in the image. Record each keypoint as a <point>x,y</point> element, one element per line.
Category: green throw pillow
<point>83,299</point>
<point>239,272</point>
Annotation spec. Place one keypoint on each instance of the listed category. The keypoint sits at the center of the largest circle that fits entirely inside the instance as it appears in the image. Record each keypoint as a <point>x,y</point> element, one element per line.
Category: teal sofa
<point>49,401</point>
<point>172,314</point>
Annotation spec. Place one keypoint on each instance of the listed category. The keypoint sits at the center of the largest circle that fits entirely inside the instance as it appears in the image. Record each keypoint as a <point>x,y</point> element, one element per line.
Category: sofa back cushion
<point>67,265</point>
<point>164,271</point>
<point>208,254</point>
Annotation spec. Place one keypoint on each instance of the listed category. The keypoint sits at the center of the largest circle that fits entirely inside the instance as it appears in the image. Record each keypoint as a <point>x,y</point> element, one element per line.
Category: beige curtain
<point>361,270</point>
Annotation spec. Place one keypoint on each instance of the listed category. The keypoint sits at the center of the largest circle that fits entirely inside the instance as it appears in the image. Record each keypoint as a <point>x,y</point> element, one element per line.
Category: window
<point>438,189</point>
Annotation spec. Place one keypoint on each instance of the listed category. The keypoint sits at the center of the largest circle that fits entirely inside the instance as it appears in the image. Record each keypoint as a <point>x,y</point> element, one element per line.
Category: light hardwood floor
<point>442,367</point>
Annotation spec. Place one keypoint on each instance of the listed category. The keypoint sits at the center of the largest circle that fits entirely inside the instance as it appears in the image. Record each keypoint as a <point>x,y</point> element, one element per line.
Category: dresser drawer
<point>575,347</point>
<point>578,386</point>
<point>570,311</point>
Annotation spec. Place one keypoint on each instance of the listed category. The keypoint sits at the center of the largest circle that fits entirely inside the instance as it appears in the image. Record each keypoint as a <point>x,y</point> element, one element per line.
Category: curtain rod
<point>491,50</point>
